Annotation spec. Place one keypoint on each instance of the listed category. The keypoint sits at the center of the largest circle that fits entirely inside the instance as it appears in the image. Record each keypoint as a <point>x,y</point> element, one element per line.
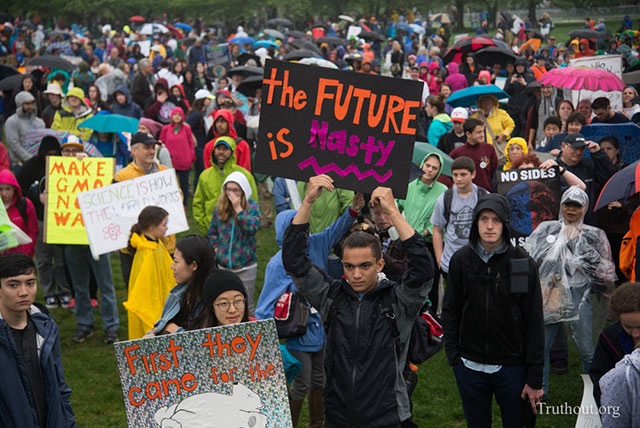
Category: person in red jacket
<point>180,142</point>
<point>223,127</point>
<point>21,212</point>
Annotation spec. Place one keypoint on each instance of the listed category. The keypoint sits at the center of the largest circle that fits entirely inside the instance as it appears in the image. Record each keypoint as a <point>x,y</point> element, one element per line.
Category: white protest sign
<point>110,211</point>
<point>611,63</point>
<point>353,31</point>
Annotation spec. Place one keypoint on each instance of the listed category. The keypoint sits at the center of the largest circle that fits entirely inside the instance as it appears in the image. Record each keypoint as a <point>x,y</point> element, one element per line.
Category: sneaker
<point>51,302</point>
<point>94,303</point>
<point>72,304</point>
<point>81,335</point>
<point>65,301</point>
<point>111,336</point>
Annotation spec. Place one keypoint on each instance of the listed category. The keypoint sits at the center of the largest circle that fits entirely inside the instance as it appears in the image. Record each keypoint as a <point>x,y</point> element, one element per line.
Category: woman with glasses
<point>232,232</point>
<point>225,300</point>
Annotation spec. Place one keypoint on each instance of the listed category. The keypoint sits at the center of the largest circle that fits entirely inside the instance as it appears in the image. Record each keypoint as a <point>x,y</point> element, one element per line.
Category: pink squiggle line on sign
<point>343,172</point>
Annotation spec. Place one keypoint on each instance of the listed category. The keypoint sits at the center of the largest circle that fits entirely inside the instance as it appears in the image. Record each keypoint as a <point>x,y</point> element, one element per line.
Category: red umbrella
<point>137,18</point>
<point>578,78</point>
<point>465,45</point>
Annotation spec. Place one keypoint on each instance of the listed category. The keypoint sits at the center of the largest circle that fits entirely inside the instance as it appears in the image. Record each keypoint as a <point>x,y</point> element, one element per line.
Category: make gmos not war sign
<point>356,127</point>
<point>222,377</point>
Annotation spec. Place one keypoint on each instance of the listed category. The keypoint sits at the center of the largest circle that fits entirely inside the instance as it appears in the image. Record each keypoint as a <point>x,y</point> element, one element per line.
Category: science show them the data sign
<point>358,128</point>
<point>221,377</point>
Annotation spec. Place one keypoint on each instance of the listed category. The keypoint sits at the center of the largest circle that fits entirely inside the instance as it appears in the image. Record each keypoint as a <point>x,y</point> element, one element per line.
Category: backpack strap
<point>448,198</point>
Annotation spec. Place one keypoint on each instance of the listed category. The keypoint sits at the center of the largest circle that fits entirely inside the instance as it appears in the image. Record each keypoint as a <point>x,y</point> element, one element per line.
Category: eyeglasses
<point>225,306</point>
<point>236,191</point>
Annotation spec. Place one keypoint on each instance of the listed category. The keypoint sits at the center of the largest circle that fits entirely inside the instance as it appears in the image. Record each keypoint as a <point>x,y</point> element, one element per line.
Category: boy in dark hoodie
<point>123,104</point>
<point>159,108</point>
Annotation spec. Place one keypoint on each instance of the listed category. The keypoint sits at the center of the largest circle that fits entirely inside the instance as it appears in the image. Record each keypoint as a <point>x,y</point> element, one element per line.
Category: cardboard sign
<point>611,63</point>
<point>358,128</point>
<point>218,59</point>
<point>533,195</point>
<point>230,376</point>
<point>66,178</point>
<point>110,211</point>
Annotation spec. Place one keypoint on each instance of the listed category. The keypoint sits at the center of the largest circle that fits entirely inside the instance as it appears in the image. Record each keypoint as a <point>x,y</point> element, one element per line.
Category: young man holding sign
<point>366,351</point>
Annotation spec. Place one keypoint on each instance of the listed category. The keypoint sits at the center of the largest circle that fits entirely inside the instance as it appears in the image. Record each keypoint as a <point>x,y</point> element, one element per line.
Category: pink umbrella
<point>579,78</point>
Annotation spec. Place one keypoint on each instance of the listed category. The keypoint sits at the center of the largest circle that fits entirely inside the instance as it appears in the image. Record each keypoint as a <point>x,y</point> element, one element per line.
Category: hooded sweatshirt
<point>210,186</point>
<point>161,112</point>
<point>455,78</point>
<point>129,108</point>
<point>17,126</point>
<point>178,139</point>
<point>434,78</point>
<point>439,126</point>
<point>421,201</point>
<point>620,389</point>
<point>277,282</point>
<point>243,152</point>
<point>67,120</point>
<point>29,223</point>
<point>33,173</point>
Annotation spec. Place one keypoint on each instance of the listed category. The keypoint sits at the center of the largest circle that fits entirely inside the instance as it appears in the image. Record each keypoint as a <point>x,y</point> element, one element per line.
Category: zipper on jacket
<point>355,347</point>
<point>486,315</point>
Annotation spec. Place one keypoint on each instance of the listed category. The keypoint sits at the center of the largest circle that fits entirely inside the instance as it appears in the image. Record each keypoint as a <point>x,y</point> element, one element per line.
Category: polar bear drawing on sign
<point>241,409</point>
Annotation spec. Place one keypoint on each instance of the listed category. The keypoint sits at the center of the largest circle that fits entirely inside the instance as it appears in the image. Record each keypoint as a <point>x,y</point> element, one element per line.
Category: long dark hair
<point>194,248</point>
<point>148,217</point>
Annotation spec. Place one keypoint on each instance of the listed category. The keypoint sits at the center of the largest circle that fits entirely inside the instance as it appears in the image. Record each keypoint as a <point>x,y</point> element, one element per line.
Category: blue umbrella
<point>468,96</point>
<point>266,44</point>
<point>628,135</point>
<point>241,40</point>
<point>621,185</point>
<point>183,26</point>
<point>404,27</point>
<point>111,123</point>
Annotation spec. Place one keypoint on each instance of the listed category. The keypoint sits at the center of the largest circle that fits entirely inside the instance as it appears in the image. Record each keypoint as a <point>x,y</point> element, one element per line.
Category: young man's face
<point>603,113</point>
<point>361,268</point>
<point>477,136</point>
<point>430,168</point>
<point>17,293</point>
<point>55,99</point>
<point>222,126</point>
<point>457,126</point>
<point>489,228</point>
<point>462,178</point>
<point>550,130</point>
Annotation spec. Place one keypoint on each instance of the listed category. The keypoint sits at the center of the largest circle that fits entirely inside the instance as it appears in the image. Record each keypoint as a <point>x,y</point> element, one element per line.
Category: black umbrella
<point>296,34</point>
<point>306,44</point>
<point>246,56</point>
<point>321,25</point>
<point>283,22</point>
<point>246,71</point>
<point>249,85</point>
<point>274,33</point>
<point>536,34</point>
<point>370,35</point>
<point>52,61</point>
<point>10,83</point>
<point>490,56</point>
<point>297,54</point>
<point>7,70</point>
<point>25,23</point>
<point>334,41</point>
<point>588,34</point>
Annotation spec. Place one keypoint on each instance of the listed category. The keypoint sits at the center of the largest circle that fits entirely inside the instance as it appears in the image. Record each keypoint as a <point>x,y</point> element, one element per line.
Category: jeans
<point>50,262</point>
<point>183,178</point>
<point>581,333</point>
<point>477,390</point>
<point>79,259</point>
<point>311,375</point>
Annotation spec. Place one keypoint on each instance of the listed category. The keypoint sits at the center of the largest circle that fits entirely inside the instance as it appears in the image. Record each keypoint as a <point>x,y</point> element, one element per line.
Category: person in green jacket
<point>422,195</point>
<point>441,122</point>
<point>223,163</point>
<point>74,111</point>
<point>327,208</point>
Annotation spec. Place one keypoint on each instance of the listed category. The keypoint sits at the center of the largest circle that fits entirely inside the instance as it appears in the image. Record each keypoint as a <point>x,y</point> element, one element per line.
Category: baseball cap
<point>72,141</point>
<point>575,195</point>
<point>204,93</point>
<point>459,114</point>
<point>143,138</point>
<point>575,140</point>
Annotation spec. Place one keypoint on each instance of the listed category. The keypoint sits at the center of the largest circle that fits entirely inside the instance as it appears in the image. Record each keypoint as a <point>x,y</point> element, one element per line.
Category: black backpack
<point>448,198</point>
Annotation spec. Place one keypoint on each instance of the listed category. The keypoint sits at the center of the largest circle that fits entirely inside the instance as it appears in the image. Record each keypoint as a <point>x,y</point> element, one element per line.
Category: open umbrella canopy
<point>137,18</point>
<point>622,184</point>
<point>494,55</point>
<point>274,33</point>
<point>442,18</point>
<point>296,34</point>
<point>578,78</point>
<point>346,18</point>
<point>280,22</point>
<point>370,35</point>
<point>533,44</point>
<point>152,28</point>
<point>52,61</point>
<point>34,137</point>
<point>246,71</point>
<point>111,123</point>
<point>297,54</point>
<point>249,85</point>
<point>242,40</point>
<point>334,41</point>
<point>469,96</point>
<point>246,56</point>
<point>320,62</point>
<point>422,149</point>
<point>7,70</point>
<point>417,28</point>
<point>466,45</point>
<point>535,33</point>
<point>12,82</point>
<point>306,44</point>
<point>404,27</point>
<point>266,44</point>
<point>628,135</point>
<point>587,34</point>
<point>183,26</point>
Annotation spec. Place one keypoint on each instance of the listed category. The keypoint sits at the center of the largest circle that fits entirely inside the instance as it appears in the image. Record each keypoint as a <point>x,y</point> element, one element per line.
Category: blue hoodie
<point>129,108</point>
<point>277,282</point>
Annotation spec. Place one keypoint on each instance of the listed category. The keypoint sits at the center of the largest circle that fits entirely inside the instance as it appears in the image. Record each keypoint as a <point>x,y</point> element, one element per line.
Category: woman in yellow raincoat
<point>151,276</point>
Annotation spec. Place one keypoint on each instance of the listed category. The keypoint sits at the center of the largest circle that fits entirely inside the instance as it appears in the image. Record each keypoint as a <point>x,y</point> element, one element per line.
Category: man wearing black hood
<point>492,319</point>
<point>50,258</point>
<point>518,104</point>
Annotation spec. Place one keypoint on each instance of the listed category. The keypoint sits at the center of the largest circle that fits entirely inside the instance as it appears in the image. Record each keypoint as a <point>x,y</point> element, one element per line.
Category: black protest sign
<point>357,128</point>
<point>533,195</point>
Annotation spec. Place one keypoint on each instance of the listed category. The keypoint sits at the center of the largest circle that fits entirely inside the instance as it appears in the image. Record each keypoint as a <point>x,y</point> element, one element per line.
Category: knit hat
<point>153,126</point>
<point>218,282</point>
<point>241,180</point>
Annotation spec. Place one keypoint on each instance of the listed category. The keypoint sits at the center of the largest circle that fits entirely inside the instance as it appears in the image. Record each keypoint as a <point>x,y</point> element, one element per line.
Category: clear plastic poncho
<point>574,260</point>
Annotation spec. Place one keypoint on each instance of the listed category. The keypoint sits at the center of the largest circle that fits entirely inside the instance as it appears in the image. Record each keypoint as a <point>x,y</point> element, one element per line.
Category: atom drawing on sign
<point>112,231</point>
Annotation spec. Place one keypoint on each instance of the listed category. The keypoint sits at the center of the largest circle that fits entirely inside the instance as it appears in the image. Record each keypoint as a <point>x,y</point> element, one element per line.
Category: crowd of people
<point>368,265</point>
